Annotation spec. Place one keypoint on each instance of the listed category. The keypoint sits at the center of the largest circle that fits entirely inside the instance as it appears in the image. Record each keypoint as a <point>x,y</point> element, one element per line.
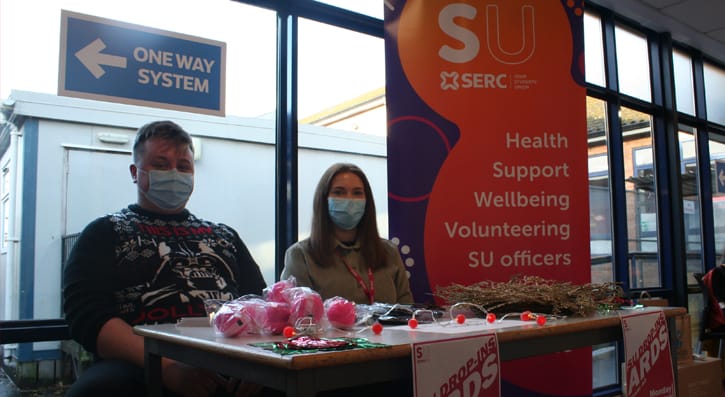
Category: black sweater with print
<point>145,267</point>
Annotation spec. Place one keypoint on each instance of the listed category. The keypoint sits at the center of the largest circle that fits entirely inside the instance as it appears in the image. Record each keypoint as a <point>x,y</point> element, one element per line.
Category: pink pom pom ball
<point>305,302</point>
<point>229,322</point>
<point>276,317</point>
<point>340,313</point>
<point>277,292</point>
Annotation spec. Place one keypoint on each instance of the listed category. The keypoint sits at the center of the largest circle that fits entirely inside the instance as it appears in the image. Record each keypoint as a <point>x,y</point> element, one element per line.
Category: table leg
<point>301,384</point>
<point>672,328</point>
<point>152,367</point>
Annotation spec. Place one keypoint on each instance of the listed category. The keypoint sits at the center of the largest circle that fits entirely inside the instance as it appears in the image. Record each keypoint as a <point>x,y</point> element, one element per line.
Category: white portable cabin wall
<point>72,159</point>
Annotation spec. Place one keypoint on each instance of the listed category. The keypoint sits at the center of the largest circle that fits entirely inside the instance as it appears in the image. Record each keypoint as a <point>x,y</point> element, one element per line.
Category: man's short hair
<point>164,129</point>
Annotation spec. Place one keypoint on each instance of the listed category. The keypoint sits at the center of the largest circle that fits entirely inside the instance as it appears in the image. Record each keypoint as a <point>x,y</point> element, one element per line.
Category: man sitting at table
<point>152,262</point>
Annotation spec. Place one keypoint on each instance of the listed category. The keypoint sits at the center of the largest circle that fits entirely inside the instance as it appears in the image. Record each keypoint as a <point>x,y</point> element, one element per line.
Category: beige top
<point>390,280</point>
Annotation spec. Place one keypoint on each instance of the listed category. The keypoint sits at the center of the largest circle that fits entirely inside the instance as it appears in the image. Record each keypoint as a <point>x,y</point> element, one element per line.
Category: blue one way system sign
<point>116,61</point>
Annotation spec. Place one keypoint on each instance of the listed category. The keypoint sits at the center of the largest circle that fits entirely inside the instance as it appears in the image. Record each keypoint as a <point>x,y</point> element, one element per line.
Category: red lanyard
<point>370,292</point>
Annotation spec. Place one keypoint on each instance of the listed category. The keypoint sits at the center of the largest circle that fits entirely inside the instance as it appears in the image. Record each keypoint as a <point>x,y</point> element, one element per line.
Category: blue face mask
<point>169,189</point>
<point>345,213</point>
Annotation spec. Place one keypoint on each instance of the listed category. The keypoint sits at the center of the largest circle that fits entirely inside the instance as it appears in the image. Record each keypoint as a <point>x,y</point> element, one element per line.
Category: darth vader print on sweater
<point>169,265</point>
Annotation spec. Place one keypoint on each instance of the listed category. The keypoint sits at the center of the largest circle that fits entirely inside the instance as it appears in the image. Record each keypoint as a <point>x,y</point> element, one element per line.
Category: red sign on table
<point>648,361</point>
<point>458,367</point>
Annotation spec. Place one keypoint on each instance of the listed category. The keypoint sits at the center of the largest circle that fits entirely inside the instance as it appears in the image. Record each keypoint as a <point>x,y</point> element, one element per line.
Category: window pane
<point>250,66</point>
<point>341,111</point>
<point>600,216</point>
<point>684,91</point>
<point>235,143</point>
<point>640,186</point>
<point>604,357</point>
<point>605,368</point>
<point>593,50</point>
<point>373,8</point>
<point>632,63</point>
<point>715,93</point>
<point>691,201</point>
<point>5,228</point>
<point>717,157</point>
<point>342,89</point>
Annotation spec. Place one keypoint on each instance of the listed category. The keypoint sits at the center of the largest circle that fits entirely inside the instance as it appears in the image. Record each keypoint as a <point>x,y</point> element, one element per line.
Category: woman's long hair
<point>321,234</point>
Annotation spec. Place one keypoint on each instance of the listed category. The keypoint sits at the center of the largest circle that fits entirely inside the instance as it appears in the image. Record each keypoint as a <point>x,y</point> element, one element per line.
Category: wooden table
<point>306,374</point>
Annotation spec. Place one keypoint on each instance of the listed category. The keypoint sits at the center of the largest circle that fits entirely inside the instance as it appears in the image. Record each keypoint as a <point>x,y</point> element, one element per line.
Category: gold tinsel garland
<point>535,294</point>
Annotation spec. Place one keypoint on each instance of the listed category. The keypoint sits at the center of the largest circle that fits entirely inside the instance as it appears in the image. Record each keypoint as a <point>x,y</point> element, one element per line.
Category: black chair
<point>22,331</point>
<point>705,332</point>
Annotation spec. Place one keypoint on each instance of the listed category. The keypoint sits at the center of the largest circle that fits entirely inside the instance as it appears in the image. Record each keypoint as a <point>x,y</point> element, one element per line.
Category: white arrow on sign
<point>91,57</point>
<point>721,177</point>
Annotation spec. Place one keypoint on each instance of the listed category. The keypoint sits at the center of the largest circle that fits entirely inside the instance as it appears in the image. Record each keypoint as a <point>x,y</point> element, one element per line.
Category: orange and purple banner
<point>487,154</point>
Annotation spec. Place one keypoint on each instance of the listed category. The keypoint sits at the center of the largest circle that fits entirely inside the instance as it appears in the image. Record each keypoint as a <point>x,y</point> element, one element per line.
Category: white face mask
<point>345,213</point>
<point>169,189</point>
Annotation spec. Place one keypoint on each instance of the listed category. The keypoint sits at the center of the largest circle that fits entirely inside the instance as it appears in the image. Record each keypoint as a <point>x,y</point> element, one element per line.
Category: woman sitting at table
<point>344,255</point>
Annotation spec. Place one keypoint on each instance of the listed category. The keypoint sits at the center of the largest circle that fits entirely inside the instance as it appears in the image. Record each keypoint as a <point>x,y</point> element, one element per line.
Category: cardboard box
<point>647,300</point>
<point>700,378</point>
<point>710,348</point>
<point>683,339</point>
<point>653,302</point>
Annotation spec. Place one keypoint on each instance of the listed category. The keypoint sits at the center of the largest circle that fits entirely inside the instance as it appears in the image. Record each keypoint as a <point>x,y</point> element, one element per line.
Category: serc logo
<point>455,81</point>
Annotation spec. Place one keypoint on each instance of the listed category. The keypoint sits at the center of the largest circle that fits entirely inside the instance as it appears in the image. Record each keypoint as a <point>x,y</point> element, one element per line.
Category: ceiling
<point>697,23</point>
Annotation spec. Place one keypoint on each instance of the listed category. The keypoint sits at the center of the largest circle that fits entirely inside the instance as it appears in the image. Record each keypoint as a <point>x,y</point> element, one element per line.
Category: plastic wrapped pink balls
<point>276,317</point>
<point>340,312</point>
<point>304,302</point>
<point>231,320</point>
<point>277,291</point>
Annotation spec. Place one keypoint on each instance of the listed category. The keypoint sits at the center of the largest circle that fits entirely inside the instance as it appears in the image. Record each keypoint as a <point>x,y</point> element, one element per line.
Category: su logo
<point>471,44</point>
